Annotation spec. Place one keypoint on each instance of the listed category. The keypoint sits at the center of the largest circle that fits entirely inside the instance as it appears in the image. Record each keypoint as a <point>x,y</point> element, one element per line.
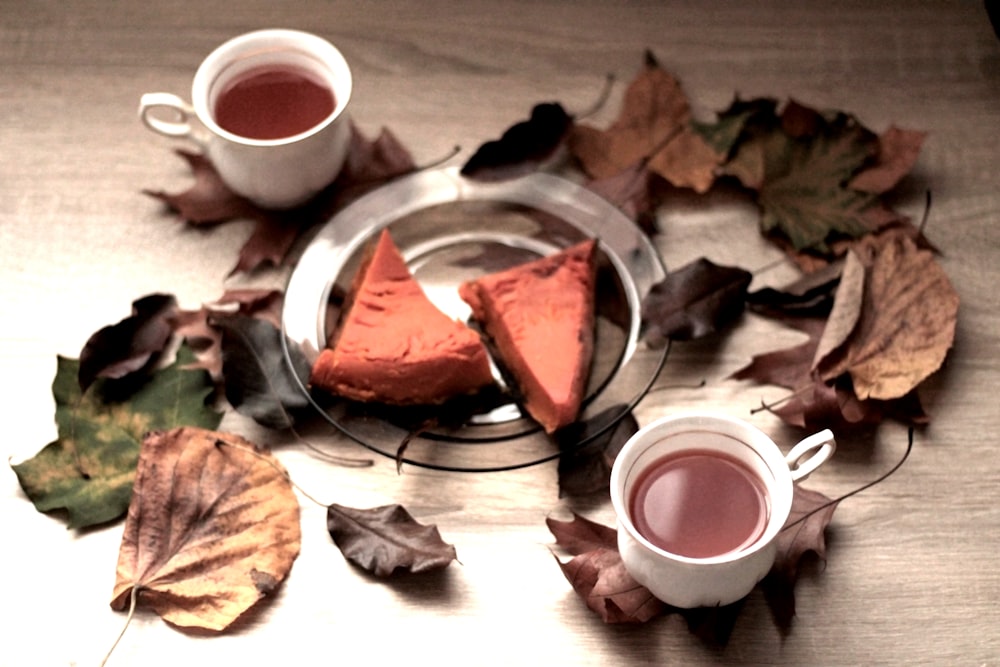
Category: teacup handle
<point>180,128</point>
<point>810,453</point>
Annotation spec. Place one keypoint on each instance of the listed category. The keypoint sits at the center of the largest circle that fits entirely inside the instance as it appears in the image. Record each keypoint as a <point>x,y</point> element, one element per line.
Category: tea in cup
<point>700,499</point>
<point>268,108</point>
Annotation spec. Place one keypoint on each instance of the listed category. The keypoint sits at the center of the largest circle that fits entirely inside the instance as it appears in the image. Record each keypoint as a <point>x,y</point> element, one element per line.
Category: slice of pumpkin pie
<point>540,319</point>
<point>393,345</point>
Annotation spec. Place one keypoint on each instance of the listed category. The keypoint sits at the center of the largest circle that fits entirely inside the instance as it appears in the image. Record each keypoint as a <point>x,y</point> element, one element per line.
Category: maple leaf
<point>88,470</point>
<point>898,150</point>
<point>694,301</point>
<point>523,146</point>
<point>655,128</point>
<point>130,345</point>
<point>598,575</point>
<point>801,163</point>
<point>900,323</point>
<point>213,527</point>
<point>209,201</point>
<point>259,380</point>
<point>385,540</point>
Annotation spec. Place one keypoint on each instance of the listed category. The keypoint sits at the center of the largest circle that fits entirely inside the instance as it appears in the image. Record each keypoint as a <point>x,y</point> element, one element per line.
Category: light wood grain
<point>911,576</point>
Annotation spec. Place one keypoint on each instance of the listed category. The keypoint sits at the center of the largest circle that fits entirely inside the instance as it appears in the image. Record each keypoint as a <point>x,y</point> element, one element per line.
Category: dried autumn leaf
<point>88,471</point>
<point>587,469</point>
<point>387,539</point>
<point>906,325</point>
<point>523,146</point>
<point>800,162</point>
<point>598,575</point>
<point>898,150</point>
<point>209,201</point>
<point>811,295</point>
<point>206,340</point>
<point>654,127</point>
<point>696,300</point>
<point>213,527</point>
<point>630,191</point>
<point>258,379</point>
<point>128,346</point>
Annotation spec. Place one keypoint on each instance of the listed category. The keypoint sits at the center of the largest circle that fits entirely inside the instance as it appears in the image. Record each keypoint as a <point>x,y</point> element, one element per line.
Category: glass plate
<point>451,229</point>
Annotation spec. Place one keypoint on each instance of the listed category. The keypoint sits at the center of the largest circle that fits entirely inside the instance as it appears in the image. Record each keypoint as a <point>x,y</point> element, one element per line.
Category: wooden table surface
<point>911,575</point>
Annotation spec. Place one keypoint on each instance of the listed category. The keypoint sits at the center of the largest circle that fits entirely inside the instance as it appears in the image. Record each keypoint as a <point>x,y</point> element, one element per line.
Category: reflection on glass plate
<point>451,229</point>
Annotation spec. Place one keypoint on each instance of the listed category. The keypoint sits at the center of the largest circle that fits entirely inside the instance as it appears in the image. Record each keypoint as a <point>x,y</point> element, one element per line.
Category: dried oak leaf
<point>385,540</point>
<point>260,380</point>
<point>694,301</point>
<point>905,325</point>
<point>130,345</point>
<point>209,201</point>
<point>654,127</point>
<point>87,472</point>
<point>598,575</point>
<point>213,527</point>
<point>523,146</point>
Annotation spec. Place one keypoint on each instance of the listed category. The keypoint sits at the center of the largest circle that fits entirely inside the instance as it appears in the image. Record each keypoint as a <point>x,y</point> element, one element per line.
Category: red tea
<point>699,504</point>
<point>273,102</point>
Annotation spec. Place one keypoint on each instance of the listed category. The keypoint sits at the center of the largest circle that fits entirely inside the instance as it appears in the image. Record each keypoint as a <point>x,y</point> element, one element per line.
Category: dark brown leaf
<point>629,190</point>
<point>384,540</point>
<point>587,469</point>
<point>694,301</point>
<point>522,147</point>
<point>810,296</point>
<point>259,381</point>
<point>128,346</point>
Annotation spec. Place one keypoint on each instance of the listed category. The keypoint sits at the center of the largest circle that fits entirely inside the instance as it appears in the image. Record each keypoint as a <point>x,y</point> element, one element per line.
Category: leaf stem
<point>128,620</point>
<point>881,478</point>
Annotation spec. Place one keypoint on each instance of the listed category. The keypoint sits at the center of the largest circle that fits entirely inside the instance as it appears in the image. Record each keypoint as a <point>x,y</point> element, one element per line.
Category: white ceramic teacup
<point>273,173</point>
<point>685,581</point>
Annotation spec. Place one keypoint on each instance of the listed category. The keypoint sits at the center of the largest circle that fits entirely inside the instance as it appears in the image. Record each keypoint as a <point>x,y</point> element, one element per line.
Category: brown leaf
<point>898,151</point>
<point>210,201</point>
<point>581,535</point>
<point>213,527</point>
<point>788,367</point>
<point>206,340</point>
<point>387,539</point>
<point>600,578</point>
<point>908,313</point>
<point>522,147</point>
<point>128,346</point>
<point>804,530</point>
<point>629,190</point>
<point>654,127</point>
<point>694,301</point>
<point>587,469</point>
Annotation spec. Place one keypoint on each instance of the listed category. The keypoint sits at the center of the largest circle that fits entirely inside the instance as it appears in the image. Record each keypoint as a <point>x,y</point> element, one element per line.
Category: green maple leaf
<point>89,469</point>
<point>800,163</point>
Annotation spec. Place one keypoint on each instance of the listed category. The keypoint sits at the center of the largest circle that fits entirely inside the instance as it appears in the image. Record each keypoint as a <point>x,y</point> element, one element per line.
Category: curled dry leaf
<point>694,301</point>
<point>587,469</point>
<point>384,540</point>
<point>130,345</point>
<point>213,528</point>
<point>523,146</point>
